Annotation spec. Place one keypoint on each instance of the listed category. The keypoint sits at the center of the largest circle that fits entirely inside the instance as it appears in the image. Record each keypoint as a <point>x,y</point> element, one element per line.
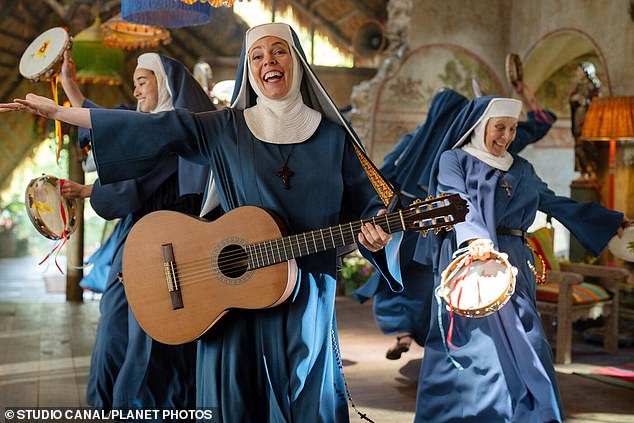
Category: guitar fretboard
<point>283,249</point>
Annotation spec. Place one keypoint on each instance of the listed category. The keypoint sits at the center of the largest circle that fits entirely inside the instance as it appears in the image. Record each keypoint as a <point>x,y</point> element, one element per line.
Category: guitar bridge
<point>171,276</point>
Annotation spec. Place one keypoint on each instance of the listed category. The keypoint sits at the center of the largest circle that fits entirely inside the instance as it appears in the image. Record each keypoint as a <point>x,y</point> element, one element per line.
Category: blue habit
<point>408,311</point>
<point>410,165</point>
<point>123,356</point>
<point>128,369</point>
<point>267,365</point>
<point>503,367</point>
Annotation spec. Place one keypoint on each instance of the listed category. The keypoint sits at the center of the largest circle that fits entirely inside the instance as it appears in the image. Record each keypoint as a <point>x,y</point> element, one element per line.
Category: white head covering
<point>281,121</point>
<point>497,107</point>
<point>152,62</point>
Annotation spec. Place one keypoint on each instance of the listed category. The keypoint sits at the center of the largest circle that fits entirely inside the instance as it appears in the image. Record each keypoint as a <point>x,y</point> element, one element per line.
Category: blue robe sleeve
<point>122,198</point>
<point>452,178</point>
<point>84,135</point>
<point>129,144</point>
<point>531,130</point>
<point>591,223</point>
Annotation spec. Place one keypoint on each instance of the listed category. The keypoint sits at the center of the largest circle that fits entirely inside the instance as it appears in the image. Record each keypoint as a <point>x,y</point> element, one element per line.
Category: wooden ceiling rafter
<point>182,45</point>
<point>15,37</point>
<point>7,9</point>
<point>346,16</point>
<point>343,41</point>
<point>9,52</point>
<point>364,9</point>
<point>60,9</point>
<point>196,38</point>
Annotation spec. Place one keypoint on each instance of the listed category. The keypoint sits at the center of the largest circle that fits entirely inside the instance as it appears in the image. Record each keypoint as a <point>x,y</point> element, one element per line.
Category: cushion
<point>581,293</point>
<point>542,241</point>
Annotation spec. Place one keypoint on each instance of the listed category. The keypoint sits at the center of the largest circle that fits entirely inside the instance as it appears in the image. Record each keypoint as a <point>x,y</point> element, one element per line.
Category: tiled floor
<point>45,347</point>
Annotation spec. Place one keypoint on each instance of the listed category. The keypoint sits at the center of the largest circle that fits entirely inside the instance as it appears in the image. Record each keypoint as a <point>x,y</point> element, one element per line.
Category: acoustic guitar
<point>182,274</point>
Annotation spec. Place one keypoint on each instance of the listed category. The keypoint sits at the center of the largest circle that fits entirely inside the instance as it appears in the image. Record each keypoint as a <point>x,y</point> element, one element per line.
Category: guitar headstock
<point>435,213</point>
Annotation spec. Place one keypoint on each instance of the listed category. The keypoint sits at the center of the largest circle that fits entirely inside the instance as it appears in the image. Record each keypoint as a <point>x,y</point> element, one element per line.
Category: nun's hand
<point>373,237</point>
<point>480,249</point>
<point>34,104</point>
<point>68,67</point>
<point>626,224</point>
<point>72,190</point>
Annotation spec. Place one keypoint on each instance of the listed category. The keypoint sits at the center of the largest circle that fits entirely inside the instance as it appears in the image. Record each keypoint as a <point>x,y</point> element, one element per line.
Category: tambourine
<point>477,288</point>
<point>514,68</point>
<point>53,216</point>
<point>43,58</point>
<point>623,247</point>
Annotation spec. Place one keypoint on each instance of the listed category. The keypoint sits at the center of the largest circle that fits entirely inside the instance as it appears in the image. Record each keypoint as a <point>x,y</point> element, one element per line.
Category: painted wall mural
<point>403,100</point>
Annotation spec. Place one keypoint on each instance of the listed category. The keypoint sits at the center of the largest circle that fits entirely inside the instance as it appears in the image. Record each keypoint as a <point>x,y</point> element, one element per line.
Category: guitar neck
<point>287,248</point>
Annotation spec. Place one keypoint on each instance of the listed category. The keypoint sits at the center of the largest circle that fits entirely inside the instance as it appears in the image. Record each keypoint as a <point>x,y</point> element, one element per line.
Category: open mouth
<point>273,76</point>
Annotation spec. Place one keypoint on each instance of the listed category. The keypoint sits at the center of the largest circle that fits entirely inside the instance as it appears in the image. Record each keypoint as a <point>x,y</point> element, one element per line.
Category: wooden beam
<point>347,16</point>
<point>330,29</point>
<point>6,9</point>
<point>182,45</point>
<point>204,44</point>
<point>10,52</point>
<point>14,36</point>
<point>363,8</point>
<point>9,86</point>
<point>316,3</point>
<point>60,9</point>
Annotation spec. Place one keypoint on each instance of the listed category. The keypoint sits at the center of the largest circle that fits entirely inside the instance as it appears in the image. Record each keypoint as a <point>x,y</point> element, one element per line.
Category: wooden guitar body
<point>209,270</point>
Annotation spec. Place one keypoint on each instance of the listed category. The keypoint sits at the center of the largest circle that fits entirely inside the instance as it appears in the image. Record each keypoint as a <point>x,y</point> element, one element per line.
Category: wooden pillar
<point>75,251</point>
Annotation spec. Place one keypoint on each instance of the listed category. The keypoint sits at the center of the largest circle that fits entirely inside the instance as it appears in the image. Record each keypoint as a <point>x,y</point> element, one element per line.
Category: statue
<point>588,86</point>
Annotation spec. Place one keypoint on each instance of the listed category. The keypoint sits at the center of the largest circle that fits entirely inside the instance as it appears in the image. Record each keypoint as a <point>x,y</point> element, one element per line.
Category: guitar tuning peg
<point>431,197</point>
<point>417,201</point>
<point>424,232</point>
<point>437,230</point>
<point>443,194</point>
<point>449,228</point>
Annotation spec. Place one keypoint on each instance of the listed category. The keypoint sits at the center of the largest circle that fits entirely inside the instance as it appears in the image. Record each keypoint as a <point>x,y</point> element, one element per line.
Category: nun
<point>501,368</point>
<point>128,369</point>
<point>283,146</point>
<point>407,314</point>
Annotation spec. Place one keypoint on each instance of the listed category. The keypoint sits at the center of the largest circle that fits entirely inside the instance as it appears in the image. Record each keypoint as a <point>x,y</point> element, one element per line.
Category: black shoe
<point>395,351</point>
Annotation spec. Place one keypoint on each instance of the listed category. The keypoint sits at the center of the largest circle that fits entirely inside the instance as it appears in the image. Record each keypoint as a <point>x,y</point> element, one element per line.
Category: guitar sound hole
<point>233,261</point>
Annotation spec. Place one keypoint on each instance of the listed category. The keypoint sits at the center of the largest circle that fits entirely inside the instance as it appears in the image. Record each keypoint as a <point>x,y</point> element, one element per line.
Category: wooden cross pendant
<point>507,187</point>
<point>285,173</point>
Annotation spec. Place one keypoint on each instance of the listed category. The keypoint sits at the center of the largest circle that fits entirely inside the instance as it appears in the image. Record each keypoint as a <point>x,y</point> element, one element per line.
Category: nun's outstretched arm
<point>45,107</point>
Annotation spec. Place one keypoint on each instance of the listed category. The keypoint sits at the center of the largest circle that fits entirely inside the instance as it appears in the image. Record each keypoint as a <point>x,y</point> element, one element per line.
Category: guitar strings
<point>261,252</point>
<point>190,271</point>
<point>199,273</point>
<point>264,253</point>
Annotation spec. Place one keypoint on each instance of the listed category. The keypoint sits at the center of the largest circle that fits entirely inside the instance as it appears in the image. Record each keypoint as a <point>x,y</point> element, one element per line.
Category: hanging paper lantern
<point>214,3</point>
<point>165,13</point>
<point>128,35</point>
<point>95,62</point>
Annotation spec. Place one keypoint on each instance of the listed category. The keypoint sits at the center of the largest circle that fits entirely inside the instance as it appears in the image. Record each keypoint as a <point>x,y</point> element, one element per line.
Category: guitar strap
<point>381,185</point>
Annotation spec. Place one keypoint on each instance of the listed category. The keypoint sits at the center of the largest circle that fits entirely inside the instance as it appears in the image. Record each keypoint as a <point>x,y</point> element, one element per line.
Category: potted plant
<point>355,270</point>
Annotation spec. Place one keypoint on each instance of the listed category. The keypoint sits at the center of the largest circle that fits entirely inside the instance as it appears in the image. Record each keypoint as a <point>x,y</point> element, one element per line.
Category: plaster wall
<point>482,27</point>
<point>606,22</point>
